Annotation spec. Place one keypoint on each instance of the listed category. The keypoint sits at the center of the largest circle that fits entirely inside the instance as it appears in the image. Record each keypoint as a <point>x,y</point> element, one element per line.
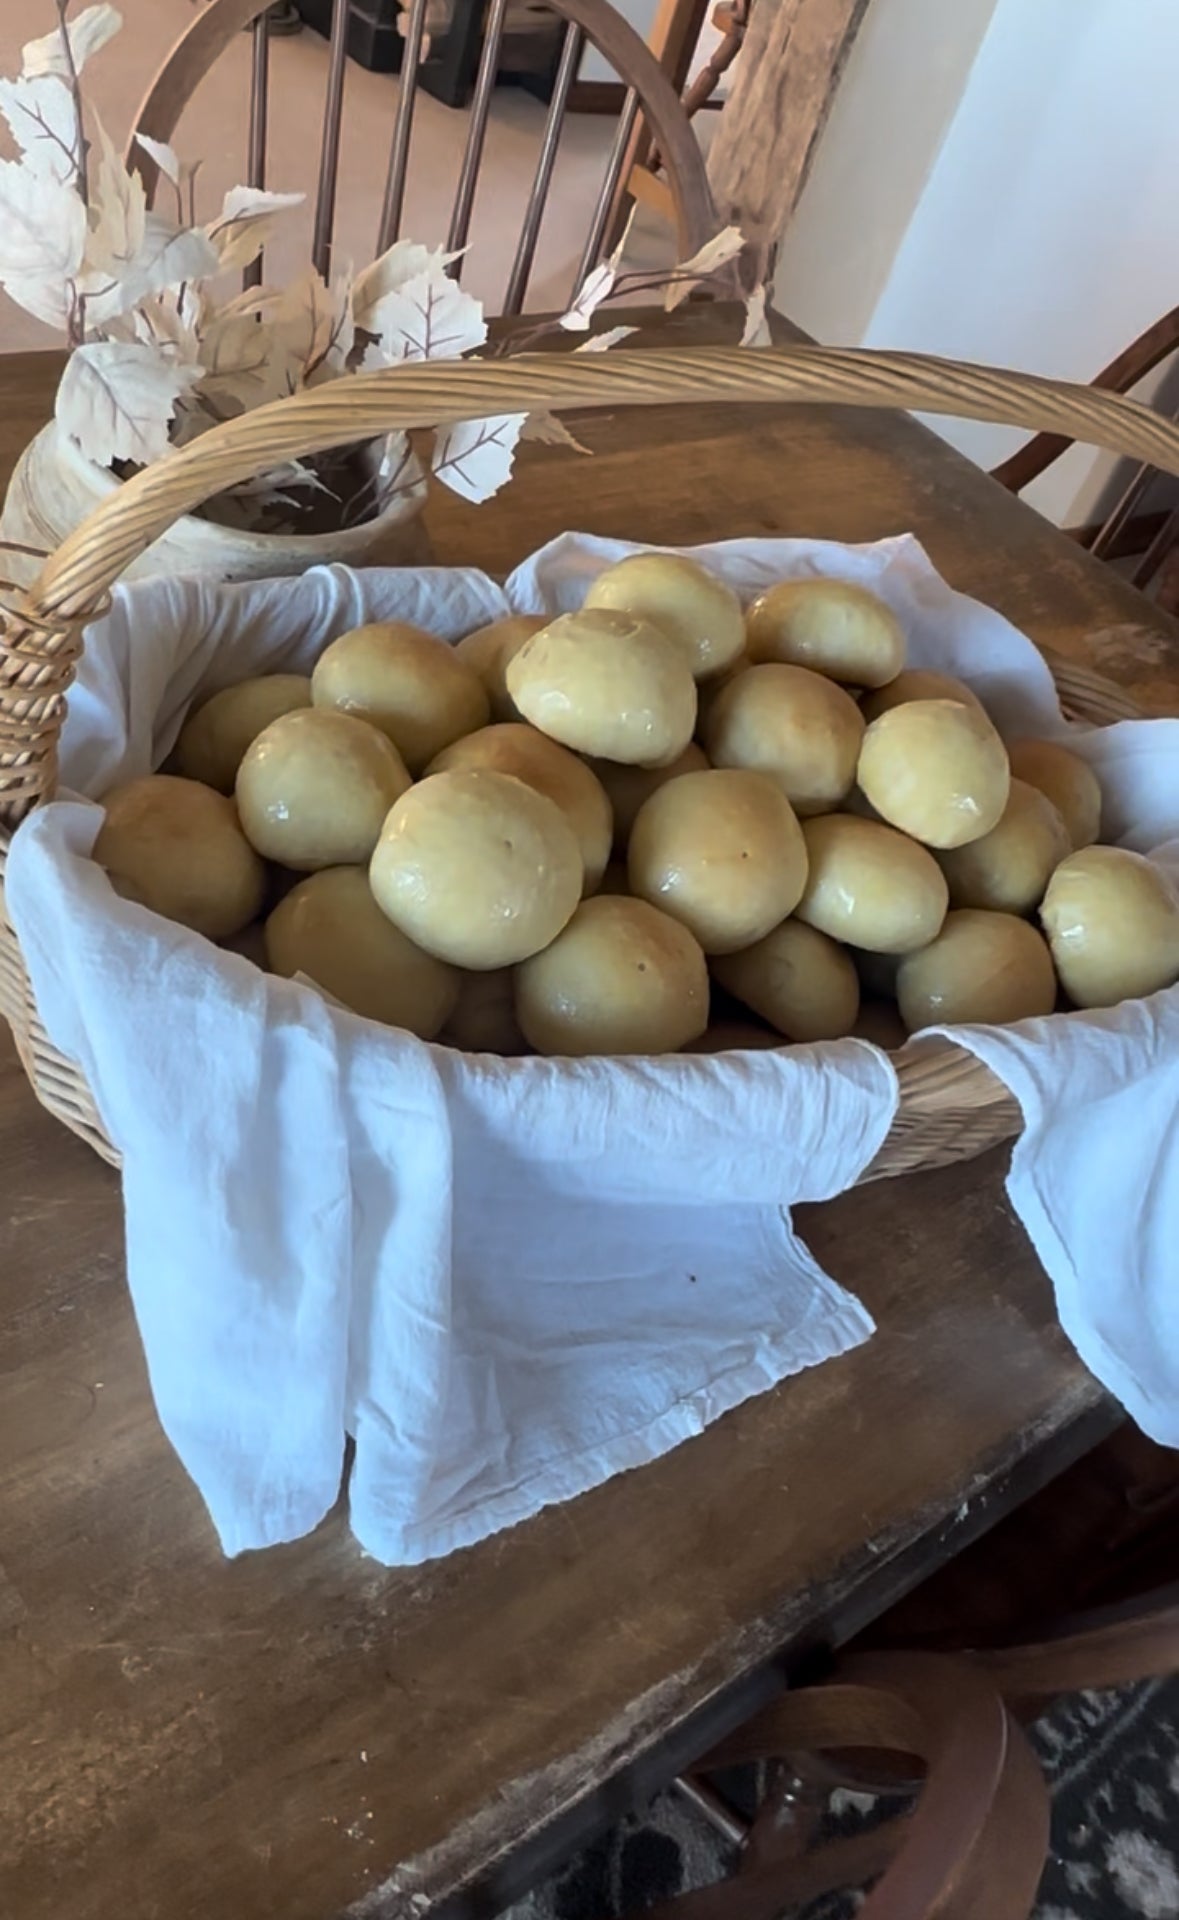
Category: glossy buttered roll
<point>722,852</point>
<point>622,978</point>
<point>607,684</point>
<point>477,868</point>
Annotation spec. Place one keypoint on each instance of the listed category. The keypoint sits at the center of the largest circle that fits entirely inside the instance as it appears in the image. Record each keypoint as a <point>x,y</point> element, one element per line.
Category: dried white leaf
<point>757,328</point>
<point>42,226</point>
<point>163,155</point>
<point>118,211</point>
<point>88,33</point>
<point>268,488</point>
<point>44,296</point>
<point>590,295</point>
<point>171,321</point>
<point>551,432</point>
<point>712,256</point>
<point>334,353</point>
<point>247,219</point>
<point>169,257</point>
<point>390,271</point>
<point>428,318</point>
<point>44,123</point>
<point>474,457</point>
<point>602,342</point>
<point>302,324</point>
<point>116,399</point>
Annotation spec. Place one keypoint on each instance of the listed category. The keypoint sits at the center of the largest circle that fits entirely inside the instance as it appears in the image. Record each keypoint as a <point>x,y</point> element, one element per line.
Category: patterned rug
<point>1111,1759</point>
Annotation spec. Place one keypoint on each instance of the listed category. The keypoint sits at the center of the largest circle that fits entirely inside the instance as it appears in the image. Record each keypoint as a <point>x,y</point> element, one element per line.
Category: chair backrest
<point>649,94</point>
<point>976,1841</point>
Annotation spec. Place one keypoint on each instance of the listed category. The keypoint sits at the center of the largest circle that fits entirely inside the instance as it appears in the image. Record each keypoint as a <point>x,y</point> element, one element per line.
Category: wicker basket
<point>951,1106</point>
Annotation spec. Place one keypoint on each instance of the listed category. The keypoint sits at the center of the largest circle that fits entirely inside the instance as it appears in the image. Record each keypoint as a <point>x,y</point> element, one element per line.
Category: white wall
<point>641,15</point>
<point>905,76</point>
<point>1032,221</point>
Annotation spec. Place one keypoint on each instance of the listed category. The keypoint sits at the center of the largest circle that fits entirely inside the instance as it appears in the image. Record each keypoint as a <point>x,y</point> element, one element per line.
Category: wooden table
<point>303,1734</point>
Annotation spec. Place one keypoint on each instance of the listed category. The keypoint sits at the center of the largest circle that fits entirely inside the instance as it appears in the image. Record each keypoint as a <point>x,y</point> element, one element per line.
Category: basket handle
<point>40,638</point>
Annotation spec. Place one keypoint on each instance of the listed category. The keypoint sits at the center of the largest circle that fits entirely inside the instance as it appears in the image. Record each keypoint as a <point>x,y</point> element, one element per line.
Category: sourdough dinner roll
<point>628,787</point>
<point>802,730</point>
<point>330,928</point>
<point>937,770</point>
<point>406,682</point>
<point>314,789</point>
<point>532,757</point>
<point>621,978</point>
<point>477,868</point>
<point>214,738</point>
<point>722,852</point>
<point>917,683</point>
<point>1065,779</point>
<point>699,612</point>
<point>1112,920</point>
<point>484,1020</point>
<point>1009,868</point>
<point>798,979</point>
<point>984,968</point>
<point>177,847</point>
<point>871,886</point>
<point>607,684</point>
<point>488,650</point>
<point>840,630</point>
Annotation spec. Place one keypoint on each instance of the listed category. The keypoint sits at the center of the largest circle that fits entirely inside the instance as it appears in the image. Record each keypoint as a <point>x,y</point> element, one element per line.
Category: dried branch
<point>83,183</point>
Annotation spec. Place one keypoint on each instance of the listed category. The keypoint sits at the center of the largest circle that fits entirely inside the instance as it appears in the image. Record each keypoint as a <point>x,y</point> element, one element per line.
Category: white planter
<point>54,487</point>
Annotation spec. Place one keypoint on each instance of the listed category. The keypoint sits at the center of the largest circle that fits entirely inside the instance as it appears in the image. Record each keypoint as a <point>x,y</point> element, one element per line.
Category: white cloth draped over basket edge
<point>508,1279</point>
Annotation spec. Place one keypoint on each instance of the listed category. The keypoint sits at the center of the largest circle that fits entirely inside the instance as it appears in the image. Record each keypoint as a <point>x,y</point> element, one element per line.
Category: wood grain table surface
<point>304,1734</point>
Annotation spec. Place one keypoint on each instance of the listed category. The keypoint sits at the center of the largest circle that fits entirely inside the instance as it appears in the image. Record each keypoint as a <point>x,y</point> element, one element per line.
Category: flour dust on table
<point>1112,1763</point>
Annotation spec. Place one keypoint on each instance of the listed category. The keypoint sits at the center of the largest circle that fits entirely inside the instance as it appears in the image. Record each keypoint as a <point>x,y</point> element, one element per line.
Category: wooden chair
<point>1113,1646</point>
<point>974,1844</point>
<point>1122,374</point>
<point>649,92</point>
<point>673,40</point>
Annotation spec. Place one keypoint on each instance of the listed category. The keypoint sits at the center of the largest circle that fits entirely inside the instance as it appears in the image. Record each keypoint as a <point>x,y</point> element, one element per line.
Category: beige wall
<point>997,182</point>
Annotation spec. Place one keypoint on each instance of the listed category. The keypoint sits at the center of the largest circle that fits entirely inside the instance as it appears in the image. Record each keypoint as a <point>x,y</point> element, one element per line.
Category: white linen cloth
<point>511,1279</point>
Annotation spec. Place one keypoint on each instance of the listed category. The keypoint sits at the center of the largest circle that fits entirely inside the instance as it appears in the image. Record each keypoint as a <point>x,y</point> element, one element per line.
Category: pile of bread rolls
<point>593,834</point>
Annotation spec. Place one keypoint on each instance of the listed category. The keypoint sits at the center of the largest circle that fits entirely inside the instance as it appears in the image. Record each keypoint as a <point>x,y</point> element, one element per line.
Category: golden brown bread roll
<point>484,1019</point>
<point>488,650</point>
<point>722,852</point>
<point>215,736</point>
<point>607,684</point>
<point>870,886</point>
<point>477,868</point>
<point>314,789</point>
<point>1009,868</point>
<point>983,969</point>
<point>1112,921</point>
<point>837,629</point>
<point>1065,779</point>
<point>518,749</point>
<point>628,787</point>
<point>622,978</point>
<point>917,683</point>
<point>935,769</point>
<point>177,847</point>
<point>331,929</point>
<point>691,606</point>
<point>798,979</point>
<point>405,681</point>
<point>790,723</point>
